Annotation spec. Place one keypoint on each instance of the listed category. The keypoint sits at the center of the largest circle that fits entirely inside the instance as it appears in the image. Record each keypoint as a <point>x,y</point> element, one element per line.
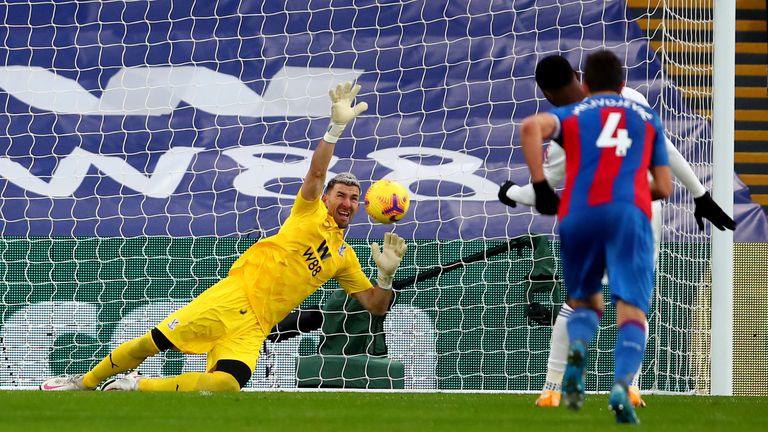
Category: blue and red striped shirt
<point>610,143</point>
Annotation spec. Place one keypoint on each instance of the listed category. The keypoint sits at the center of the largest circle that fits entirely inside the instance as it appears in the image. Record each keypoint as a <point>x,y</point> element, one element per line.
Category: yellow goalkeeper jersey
<point>280,271</point>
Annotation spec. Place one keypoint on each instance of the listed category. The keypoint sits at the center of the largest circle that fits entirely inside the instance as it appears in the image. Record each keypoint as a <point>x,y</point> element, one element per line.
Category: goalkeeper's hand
<point>547,200</point>
<point>342,110</point>
<point>388,258</point>
<point>503,193</point>
<point>707,208</point>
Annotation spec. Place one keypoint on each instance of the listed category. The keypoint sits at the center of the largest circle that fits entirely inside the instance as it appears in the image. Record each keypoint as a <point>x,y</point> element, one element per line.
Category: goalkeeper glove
<point>342,110</point>
<point>388,258</point>
<point>503,194</point>
<point>547,200</point>
<point>707,208</point>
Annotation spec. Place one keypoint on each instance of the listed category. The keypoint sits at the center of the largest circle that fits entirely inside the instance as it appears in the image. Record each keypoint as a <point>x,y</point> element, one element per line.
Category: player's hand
<point>342,110</point>
<point>388,258</point>
<point>707,208</point>
<point>547,200</point>
<point>503,193</point>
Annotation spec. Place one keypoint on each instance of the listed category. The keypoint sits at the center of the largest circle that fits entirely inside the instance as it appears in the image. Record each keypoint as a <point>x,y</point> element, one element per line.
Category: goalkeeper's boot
<point>573,379</point>
<point>129,382</point>
<point>548,398</point>
<point>64,383</point>
<point>635,398</point>
<point>621,405</point>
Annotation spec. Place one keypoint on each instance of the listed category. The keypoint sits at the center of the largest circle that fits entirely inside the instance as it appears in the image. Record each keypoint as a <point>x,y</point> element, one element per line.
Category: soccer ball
<point>387,201</point>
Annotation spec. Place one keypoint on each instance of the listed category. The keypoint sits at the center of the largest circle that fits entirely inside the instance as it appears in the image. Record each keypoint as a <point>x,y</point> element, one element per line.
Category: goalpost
<point>723,101</point>
<point>146,144</point>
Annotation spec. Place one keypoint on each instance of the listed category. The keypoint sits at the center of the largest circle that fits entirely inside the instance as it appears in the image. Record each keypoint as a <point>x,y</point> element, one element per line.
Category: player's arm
<point>682,171</point>
<point>342,112</point>
<point>375,300</point>
<point>680,167</point>
<point>661,186</point>
<point>387,258</point>
<point>554,170</point>
<point>706,207</point>
<point>534,130</point>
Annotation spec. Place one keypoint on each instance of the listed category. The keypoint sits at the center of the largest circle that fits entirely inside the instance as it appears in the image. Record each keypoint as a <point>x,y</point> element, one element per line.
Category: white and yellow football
<point>387,201</point>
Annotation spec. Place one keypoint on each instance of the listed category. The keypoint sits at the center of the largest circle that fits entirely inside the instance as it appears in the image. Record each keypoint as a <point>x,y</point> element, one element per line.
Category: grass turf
<point>30,411</point>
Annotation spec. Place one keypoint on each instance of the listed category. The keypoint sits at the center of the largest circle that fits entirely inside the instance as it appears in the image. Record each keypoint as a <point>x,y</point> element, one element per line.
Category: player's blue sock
<point>582,325</point>
<point>630,347</point>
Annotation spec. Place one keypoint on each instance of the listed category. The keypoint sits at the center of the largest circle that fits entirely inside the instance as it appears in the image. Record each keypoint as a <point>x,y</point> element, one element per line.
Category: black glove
<point>707,208</point>
<point>540,314</point>
<point>503,194</point>
<point>547,200</point>
<point>297,322</point>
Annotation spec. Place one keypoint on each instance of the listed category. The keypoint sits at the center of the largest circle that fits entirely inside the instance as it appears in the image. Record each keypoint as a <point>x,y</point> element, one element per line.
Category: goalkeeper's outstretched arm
<point>342,112</point>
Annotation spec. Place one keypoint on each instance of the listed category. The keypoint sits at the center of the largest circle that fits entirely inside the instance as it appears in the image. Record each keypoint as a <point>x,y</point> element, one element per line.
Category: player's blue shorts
<point>616,237</point>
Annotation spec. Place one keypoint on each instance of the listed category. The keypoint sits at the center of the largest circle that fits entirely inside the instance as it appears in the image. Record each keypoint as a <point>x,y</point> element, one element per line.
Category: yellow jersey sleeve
<point>303,207</point>
<point>350,276</point>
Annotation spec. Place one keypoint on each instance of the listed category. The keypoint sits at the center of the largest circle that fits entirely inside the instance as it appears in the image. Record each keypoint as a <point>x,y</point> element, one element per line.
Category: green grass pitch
<point>29,411</point>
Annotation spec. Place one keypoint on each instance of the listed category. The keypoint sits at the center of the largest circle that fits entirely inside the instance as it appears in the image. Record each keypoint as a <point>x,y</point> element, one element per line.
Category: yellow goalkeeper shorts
<point>219,322</point>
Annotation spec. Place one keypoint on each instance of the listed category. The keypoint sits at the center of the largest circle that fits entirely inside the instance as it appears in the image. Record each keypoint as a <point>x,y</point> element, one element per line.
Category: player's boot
<point>64,383</point>
<point>573,379</point>
<point>548,398</point>
<point>635,398</point>
<point>129,382</point>
<point>620,404</point>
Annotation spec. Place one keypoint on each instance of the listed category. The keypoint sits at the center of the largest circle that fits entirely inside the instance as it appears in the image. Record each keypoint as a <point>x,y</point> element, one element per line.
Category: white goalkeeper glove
<point>388,259</point>
<point>342,110</point>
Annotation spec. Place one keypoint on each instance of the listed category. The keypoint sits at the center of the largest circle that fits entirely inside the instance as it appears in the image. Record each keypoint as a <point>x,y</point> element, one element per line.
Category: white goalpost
<point>723,97</point>
<point>146,144</point>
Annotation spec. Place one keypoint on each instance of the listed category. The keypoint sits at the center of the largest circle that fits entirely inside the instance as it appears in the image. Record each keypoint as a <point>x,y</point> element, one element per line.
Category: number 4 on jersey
<point>613,136</point>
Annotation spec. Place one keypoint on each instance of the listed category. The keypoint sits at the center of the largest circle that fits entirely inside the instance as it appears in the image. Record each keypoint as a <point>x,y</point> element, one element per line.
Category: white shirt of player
<point>554,165</point>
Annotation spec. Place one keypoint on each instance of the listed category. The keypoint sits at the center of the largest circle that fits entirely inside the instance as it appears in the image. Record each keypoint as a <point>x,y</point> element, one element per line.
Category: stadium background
<point>448,78</point>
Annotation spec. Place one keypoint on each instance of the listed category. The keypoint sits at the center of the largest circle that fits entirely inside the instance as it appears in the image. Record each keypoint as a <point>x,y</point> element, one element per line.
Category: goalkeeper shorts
<point>219,322</point>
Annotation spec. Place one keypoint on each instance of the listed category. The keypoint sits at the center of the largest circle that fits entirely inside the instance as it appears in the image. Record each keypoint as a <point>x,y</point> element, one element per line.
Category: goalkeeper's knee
<point>238,370</point>
<point>221,382</point>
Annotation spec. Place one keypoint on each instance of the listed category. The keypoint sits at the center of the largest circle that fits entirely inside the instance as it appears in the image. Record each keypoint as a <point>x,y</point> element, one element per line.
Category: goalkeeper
<point>230,320</point>
<point>560,84</point>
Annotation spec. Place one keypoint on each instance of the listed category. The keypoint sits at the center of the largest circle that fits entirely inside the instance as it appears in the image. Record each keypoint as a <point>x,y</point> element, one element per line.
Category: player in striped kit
<point>610,143</point>
<point>561,86</point>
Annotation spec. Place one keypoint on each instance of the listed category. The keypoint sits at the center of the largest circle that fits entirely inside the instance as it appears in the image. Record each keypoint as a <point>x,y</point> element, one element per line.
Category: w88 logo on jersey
<point>314,262</point>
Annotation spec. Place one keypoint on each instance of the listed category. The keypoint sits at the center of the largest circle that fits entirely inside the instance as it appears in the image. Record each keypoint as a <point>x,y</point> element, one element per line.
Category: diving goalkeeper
<point>560,84</point>
<point>230,320</point>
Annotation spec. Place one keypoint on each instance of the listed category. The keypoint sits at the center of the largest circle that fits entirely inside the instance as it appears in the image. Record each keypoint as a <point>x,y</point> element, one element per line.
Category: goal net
<point>147,144</point>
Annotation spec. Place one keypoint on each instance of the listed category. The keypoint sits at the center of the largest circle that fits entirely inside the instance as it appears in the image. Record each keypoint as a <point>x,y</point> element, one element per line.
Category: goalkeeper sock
<point>558,350</point>
<point>192,381</point>
<point>125,357</point>
<point>582,325</point>
<point>630,347</point>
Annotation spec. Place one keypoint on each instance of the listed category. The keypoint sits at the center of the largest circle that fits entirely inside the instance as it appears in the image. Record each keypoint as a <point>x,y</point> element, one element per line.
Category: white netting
<point>146,144</point>
<point>682,43</point>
